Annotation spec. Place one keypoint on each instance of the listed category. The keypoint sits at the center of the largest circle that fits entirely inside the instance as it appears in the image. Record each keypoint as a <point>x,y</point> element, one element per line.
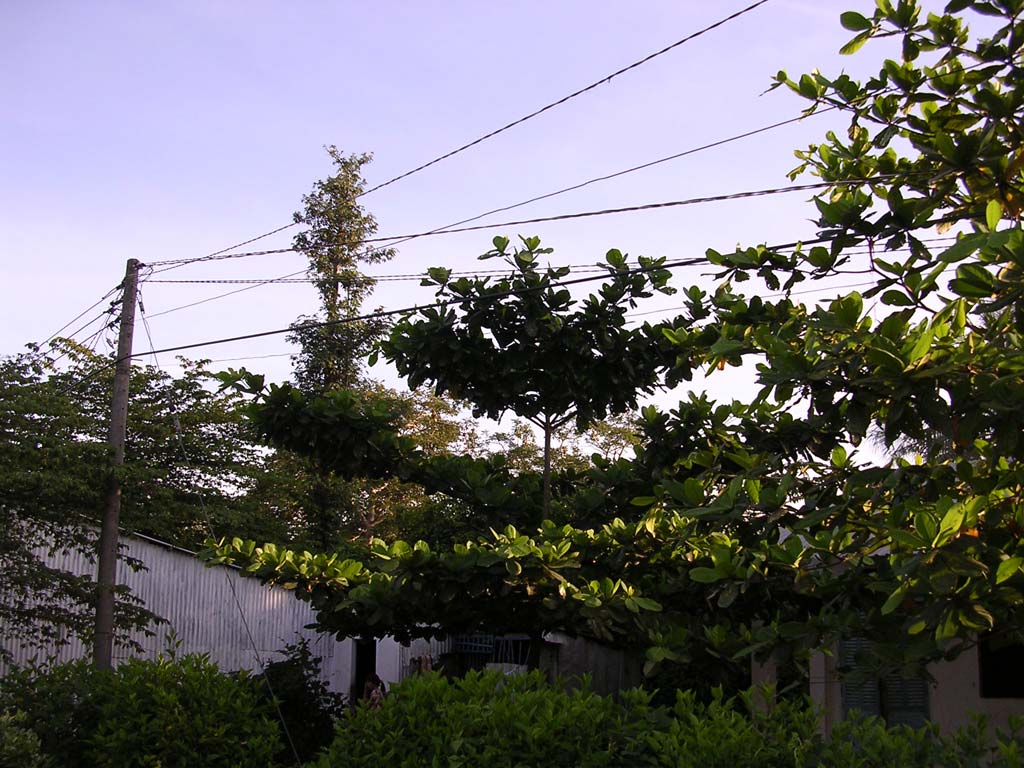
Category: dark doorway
<point>365,664</point>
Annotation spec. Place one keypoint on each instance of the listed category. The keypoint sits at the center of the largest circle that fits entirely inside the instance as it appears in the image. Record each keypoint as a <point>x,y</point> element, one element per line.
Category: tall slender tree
<point>333,239</point>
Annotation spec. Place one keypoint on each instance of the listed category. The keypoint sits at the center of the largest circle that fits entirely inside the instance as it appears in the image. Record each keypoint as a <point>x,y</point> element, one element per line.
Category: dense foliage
<point>304,703</point>
<point>522,344</point>
<point>19,745</point>
<point>54,469</point>
<point>168,712</point>
<point>747,527</point>
<point>334,227</point>
<point>522,721</point>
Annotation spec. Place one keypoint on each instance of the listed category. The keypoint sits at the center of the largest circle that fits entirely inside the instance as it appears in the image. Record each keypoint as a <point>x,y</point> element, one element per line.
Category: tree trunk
<point>547,466</point>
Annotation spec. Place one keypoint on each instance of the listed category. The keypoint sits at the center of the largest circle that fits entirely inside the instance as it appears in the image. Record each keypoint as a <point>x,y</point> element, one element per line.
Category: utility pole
<point>103,640</point>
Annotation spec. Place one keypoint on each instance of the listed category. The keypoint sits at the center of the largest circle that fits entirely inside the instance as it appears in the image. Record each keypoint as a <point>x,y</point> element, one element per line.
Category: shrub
<point>485,720</point>
<point>496,722</point>
<point>167,713</point>
<point>19,745</point>
<point>60,704</point>
<point>729,732</point>
<point>308,708</point>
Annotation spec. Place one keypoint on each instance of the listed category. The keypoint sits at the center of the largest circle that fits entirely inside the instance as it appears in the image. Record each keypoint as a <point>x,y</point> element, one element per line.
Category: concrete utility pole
<point>103,641</point>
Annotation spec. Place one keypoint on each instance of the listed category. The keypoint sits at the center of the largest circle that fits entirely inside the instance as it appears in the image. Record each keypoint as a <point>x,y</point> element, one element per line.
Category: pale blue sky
<point>169,130</point>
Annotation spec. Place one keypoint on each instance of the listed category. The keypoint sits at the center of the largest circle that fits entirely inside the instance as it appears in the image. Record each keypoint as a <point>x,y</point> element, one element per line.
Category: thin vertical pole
<point>103,641</point>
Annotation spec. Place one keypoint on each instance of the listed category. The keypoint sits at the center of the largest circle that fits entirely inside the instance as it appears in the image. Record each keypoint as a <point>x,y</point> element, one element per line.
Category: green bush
<point>60,704</point>
<point>497,722</point>
<point>167,713</point>
<point>484,720</point>
<point>308,708</point>
<point>19,745</point>
<point>729,732</point>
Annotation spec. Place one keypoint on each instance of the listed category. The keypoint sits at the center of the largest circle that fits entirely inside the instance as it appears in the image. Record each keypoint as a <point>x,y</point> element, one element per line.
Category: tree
<point>336,228</point>
<point>332,353</point>
<point>762,526</point>
<point>520,343</point>
<point>53,470</point>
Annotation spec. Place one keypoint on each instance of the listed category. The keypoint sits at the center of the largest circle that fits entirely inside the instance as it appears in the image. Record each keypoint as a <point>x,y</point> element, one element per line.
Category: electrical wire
<point>375,278</point>
<point>573,95</point>
<point>79,316</point>
<point>528,201</point>
<point>584,267</point>
<point>498,295</point>
<point>406,310</point>
<point>777,295</point>
<point>854,250</point>
<point>806,114</point>
<point>224,295</point>
<point>519,121</point>
<point>236,359</point>
<point>570,216</point>
<point>92,337</point>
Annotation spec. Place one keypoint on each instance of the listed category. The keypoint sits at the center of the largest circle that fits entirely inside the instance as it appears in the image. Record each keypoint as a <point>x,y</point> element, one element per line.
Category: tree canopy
<point>746,527</point>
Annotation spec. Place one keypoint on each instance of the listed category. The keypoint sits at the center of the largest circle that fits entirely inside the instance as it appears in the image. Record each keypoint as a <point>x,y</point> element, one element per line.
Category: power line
<point>283,278</point>
<point>79,316</point>
<point>776,295</point>
<point>391,312</point>
<point>712,145</point>
<point>625,171</point>
<point>572,188</point>
<point>375,278</point>
<point>247,357</point>
<point>399,239</point>
<point>519,121</point>
<point>585,267</point>
<point>224,295</point>
<point>573,95</point>
<point>579,215</point>
<point>252,239</point>
<point>92,338</point>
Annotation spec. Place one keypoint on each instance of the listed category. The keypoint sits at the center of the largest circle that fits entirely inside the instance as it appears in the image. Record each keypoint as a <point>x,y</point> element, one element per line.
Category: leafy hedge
<point>19,745</point>
<point>184,712</point>
<point>170,713</point>
<point>514,722</point>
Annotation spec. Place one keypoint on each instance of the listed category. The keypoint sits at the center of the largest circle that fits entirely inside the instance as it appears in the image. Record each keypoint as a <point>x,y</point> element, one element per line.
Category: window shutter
<point>860,691</point>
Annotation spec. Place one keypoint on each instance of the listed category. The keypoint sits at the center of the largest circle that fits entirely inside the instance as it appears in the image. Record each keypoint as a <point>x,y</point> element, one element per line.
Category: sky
<point>162,131</point>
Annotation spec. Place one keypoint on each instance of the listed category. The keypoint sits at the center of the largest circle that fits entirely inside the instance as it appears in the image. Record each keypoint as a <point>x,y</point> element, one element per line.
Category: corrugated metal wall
<point>201,610</point>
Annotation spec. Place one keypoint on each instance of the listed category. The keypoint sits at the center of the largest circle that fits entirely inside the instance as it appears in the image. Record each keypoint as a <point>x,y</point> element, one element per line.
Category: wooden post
<point>103,640</point>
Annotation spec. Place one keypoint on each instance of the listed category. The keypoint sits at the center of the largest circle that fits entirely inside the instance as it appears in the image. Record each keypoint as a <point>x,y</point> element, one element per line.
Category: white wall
<point>201,608</point>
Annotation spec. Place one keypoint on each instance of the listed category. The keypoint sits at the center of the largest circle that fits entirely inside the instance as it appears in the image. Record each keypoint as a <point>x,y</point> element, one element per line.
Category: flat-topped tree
<point>521,343</point>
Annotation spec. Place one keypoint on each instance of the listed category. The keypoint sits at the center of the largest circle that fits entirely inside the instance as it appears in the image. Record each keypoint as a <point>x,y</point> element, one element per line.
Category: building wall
<point>610,669</point>
<point>200,606</point>
<point>956,695</point>
<point>953,698</point>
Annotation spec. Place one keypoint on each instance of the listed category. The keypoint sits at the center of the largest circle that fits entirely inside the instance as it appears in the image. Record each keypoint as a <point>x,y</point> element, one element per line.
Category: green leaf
<point>951,524</point>
<point>855,44</point>
<point>973,281</point>
<point>1008,568</point>
<point>854,21</point>
<point>895,298</point>
<point>993,214</point>
<point>895,600</point>
<point>838,456</point>
<point>647,604</point>
<point>693,490</point>
<point>962,248</point>
<point>704,575</point>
